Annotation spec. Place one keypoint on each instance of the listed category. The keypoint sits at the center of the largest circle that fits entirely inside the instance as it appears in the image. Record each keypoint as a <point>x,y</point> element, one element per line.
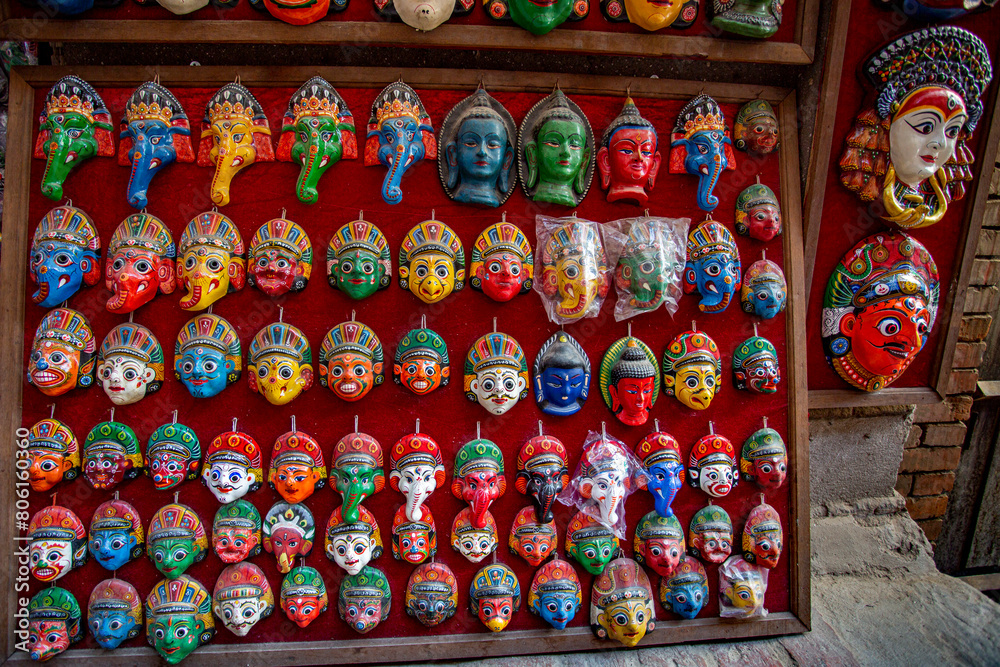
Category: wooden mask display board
<point>389,411</point>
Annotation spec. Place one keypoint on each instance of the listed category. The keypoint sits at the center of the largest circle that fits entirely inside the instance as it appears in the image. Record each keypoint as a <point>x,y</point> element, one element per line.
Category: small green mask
<point>172,557</point>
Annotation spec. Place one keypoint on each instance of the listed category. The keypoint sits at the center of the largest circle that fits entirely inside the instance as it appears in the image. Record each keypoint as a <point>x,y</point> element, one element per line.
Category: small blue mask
<point>110,628</point>
<point>111,547</point>
<point>687,600</point>
<point>557,608</point>
<point>204,371</point>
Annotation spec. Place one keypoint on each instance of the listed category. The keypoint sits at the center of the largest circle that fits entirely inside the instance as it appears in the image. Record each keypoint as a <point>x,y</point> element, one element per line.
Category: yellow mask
<point>625,621</point>
<point>653,15</point>
<point>280,378</point>
<point>432,277</point>
<point>696,385</point>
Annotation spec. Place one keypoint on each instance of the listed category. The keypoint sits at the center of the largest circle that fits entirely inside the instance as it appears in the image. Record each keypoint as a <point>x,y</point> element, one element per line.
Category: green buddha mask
<point>558,152</point>
<point>541,17</point>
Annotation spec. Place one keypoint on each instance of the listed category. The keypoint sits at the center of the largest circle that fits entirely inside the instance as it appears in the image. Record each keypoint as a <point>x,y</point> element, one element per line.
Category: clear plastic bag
<point>742,587</point>
<point>573,267</point>
<point>650,264</point>
<point>607,474</point>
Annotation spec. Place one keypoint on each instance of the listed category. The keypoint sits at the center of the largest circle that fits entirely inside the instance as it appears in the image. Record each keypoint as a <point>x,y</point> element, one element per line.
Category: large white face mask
<point>351,551</point>
<point>498,389</point>
<point>228,481</point>
<point>921,142</point>
<point>240,614</point>
<point>424,14</point>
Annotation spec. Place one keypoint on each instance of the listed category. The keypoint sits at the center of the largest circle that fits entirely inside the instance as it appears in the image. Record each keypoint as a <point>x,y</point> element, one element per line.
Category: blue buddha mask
<point>207,355</point>
<point>114,613</point>
<point>477,164</point>
<point>116,535</point>
<point>561,376</point>
<point>65,254</point>
<point>154,132</point>
<point>686,591</point>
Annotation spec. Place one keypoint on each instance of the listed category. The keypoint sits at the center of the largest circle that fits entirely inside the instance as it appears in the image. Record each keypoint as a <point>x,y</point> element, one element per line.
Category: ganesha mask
<point>289,531</point>
<point>65,255</point>
<point>700,145</point>
<point>399,134</point>
<point>713,266</point>
<point>140,263</point>
<point>211,262</point>
<point>479,477</point>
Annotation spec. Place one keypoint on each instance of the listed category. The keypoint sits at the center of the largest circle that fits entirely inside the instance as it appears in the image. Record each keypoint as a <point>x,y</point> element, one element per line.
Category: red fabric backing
<point>846,219</point>
<point>388,412</point>
<point>364,10</point>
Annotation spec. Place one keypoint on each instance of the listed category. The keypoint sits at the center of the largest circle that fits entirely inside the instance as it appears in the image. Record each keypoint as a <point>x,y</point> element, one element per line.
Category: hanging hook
<point>540,434</point>
<point>765,421</point>
<point>763,254</point>
<point>432,214</point>
<point>355,423</point>
<point>131,314</point>
<point>353,315</point>
<point>762,499</point>
<point>281,313</point>
<point>694,326</point>
<point>116,495</point>
<point>112,415</point>
<point>54,498</point>
<point>629,329</point>
<point>604,431</point>
<point>234,424</point>
<point>361,216</point>
<point>418,426</point>
<point>656,424</point>
<point>628,91</point>
<point>283,212</point>
<point>478,435</point>
<point>755,329</point>
<point>647,213</point>
<point>711,427</point>
<point>174,418</point>
<point>503,217</point>
<point>293,424</point>
<point>176,495</point>
<point>210,310</point>
<point>423,321</point>
<point>52,411</point>
<point>758,179</point>
<point>494,325</point>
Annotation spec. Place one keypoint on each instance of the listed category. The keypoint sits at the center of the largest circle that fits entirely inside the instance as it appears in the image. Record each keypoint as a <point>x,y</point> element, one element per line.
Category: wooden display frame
<point>800,51</point>
<point>824,145</point>
<point>24,84</point>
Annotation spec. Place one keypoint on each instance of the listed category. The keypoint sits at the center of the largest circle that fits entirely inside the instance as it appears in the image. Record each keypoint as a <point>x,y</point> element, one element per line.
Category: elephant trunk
<point>707,180</point>
<point>314,164</point>
<point>413,502</point>
<point>59,161</point>
<point>391,191</point>
<point>546,498</point>
<point>143,169</point>
<point>480,504</point>
<point>352,501</point>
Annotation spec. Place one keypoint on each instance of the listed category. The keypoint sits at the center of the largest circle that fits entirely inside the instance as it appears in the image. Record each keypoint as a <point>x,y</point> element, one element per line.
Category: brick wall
<point>936,441</point>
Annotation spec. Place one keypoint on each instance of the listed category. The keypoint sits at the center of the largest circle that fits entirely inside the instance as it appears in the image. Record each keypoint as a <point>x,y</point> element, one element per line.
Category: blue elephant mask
<point>154,132</point>
<point>665,480</point>
<point>700,145</point>
<point>399,134</point>
<point>65,254</point>
<point>713,266</point>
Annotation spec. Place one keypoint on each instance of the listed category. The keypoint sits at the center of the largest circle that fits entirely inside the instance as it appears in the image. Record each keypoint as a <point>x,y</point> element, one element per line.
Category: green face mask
<point>358,274</point>
<point>539,19</point>
<point>355,483</point>
<point>175,636</point>
<point>594,554</point>
<point>560,155</point>
<point>172,557</point>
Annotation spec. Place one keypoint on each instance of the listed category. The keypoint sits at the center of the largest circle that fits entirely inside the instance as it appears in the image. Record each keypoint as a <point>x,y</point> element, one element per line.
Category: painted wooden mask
<point>279,363</point>
<point>280,258</point>
<point>607,474</point>
<point>432,261</point>
<point>880,305</point>
<point>692,369</point>
<point>242,597</point>
<point>352,545</point>
<point>751,18</point>
<point>421,362</point>
<point>660,454</point>
<point>207,355</point>
<point>628,159</point>
<point>764,290</point>
<point>495,595</point>
<point>713,266</point>
<point>130,364</point>
<point>741,589</point>
<point>496,373</point>
<point>712,466</point>
<point>763,537</point>
<point>537,19</point>
<point>289,531</point>
<point>413,540</point>
<point>621,604</point>
<point>755,366</point>
<point>764,459</point>
<point>756,128</point>
<point>63,353</point>
<point>351,361</point>
<point>116,534</point>
<point>502,262</point>
<point>154,132</point>
<point>114,613</point>
<point>659,543</point>
<point>908,147</point>
<point>432,594</point>
<point>758,213</point>
<point>700,146</point>
<point>57,543</point>
<point>590,542</point>
<point>176,540</point>
<point>556,150</point>
<point>532,540</point>
<point>236,532</point>
<point>232,466</point>
<point>178,618</point>
<point>173,454</point>
<point>74,125</point>
<point>555,593</point>
<point>357,471</point>
<point>53,454</point>
<point>54,623</point>
<point>561,375</point>
<point>629,380</point>
<point>649,15</point>
<point>710,534</point>
<point>111,455</point>
<point>317,131</point>
<point>474,542</point>
<point>576,275</point>
<point>416,469</point>
<point>303,595</point>
<point>479,477</point>
<point>365,599</point>
<point>357,260</point>
<point>140,263</point>
<point>297,467</point>
<point>542,473</point>
<point>234,135</point>
<point>211,262</point>
<point>477,163</point>
<point>685,592</point>
<point>422,15</point>
<point>399,134</point>
<point>65,255</point>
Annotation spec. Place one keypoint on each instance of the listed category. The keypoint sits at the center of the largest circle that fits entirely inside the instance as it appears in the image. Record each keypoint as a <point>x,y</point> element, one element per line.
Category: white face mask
<point>476,546</point>
<point>921,142</point>
<point>124,378</point>
<point>183,6</point>
<point>417,483</point>
<point>608,489</point>
<point>240,614</point>
<point>716,479</point>
<point>351,551</point>
<point>424,14</point>
<point>50,559</point>
<point>498,390</point>
<point>228,481</point>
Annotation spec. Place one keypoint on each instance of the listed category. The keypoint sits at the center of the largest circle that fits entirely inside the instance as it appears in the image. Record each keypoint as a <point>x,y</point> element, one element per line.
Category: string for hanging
<point>174,418</point>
